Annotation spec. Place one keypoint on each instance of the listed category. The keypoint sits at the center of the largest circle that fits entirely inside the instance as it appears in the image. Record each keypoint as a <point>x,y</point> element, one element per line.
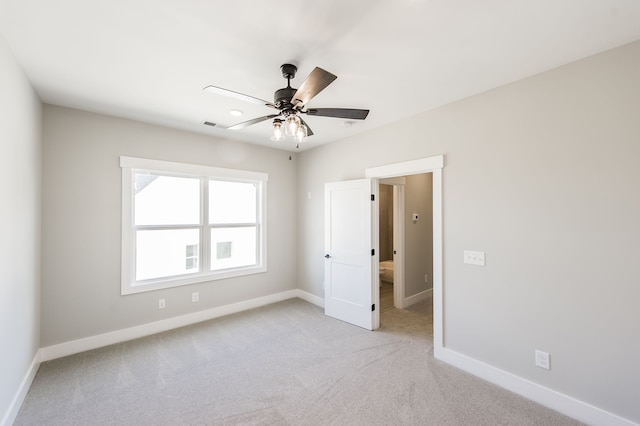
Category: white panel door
<point>348,247</point>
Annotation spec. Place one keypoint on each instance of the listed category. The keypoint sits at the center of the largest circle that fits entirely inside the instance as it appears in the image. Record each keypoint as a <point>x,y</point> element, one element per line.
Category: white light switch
<point>474,257</point>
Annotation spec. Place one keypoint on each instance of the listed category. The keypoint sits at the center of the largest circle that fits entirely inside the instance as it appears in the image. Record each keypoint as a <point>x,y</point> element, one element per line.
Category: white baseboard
<point>412,300</point>
<point>311,298</point>
<point>11,414</point>
<point>557,401</point>
<point>93,342</point>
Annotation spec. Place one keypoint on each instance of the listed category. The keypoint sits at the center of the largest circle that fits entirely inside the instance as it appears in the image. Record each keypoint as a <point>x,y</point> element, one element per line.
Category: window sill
<point>151,285</point>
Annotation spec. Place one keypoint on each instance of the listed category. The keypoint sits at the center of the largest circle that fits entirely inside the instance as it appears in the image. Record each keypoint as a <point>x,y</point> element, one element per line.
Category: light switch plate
<point>474,257</point>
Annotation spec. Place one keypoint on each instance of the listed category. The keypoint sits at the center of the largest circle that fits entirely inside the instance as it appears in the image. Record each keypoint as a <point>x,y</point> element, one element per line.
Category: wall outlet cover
<point>543,360</point>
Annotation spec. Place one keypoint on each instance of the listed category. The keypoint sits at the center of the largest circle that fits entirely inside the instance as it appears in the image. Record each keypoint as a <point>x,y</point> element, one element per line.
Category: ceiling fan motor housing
<point>283,96</point>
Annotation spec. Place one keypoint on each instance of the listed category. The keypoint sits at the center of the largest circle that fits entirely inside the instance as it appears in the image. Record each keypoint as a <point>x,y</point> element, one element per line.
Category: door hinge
<point>373,252</point>
<point>373,197</point>
<point>373,307</point>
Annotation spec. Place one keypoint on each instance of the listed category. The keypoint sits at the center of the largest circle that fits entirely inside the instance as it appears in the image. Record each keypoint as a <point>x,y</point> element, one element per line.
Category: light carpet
<point>282,364</point>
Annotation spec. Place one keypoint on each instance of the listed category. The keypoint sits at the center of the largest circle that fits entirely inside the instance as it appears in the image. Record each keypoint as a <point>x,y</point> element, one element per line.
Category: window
<point>183,224</point>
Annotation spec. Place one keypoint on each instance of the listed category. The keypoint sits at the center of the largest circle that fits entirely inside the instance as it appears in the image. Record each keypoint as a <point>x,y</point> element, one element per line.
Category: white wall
<point>20,148</point>
<point>81,223</point>
<point>543,176</point>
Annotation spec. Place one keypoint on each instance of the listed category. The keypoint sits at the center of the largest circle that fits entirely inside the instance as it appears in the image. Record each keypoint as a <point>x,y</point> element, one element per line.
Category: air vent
<point>208,123</point>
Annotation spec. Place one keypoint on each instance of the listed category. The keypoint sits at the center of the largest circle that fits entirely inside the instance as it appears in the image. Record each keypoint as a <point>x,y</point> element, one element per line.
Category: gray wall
<point>543,176</point>
<point>418,236</point>
<point>81,222</point>
<point>20,112</point>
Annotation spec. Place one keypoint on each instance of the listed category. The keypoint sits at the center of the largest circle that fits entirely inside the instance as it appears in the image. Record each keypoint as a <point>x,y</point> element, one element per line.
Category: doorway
<point>434,166</point>
<point>405,243</point>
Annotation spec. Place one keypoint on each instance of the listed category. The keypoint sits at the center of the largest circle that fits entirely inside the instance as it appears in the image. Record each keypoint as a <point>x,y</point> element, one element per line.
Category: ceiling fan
<point>290,105</point>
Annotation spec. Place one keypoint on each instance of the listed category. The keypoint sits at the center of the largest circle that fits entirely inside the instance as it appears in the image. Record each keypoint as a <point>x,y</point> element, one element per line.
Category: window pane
<point>233,247</point>
<point>232,202</point>
<point>164,253</point>
<point>166,200</point>
<point>191,257</point>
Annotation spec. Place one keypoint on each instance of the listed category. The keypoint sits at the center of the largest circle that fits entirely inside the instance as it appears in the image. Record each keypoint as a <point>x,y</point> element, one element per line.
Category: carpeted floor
<point>283,364</point>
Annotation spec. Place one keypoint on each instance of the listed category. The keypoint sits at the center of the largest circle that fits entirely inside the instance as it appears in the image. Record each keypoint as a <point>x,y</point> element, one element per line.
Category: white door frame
<point>398,184</point>
<point>398,242</point>
<point>432,165</point>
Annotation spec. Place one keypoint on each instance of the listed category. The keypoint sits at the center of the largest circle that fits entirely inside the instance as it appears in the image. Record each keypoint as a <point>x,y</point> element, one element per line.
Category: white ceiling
<point>149,60</point>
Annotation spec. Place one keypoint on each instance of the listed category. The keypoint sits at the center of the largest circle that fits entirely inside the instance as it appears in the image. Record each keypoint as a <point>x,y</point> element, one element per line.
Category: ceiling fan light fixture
<point>292,125</point>
<point>278,130</point>
<point>301,134</point>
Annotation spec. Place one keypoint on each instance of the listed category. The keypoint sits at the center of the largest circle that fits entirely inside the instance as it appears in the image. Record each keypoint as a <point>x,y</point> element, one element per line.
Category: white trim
<point>550,398</point>
<point>438,280</point>
<point>311,298</point>
<point>170,166</point>
<point>398,246</point>
<point>412,300</point>
<point>76,346</point>
<point>413,167</point>
<point>18,399</point>
<point>432,165</point>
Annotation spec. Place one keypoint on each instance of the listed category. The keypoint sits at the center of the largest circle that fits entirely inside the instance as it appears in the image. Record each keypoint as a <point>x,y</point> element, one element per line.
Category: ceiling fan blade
<point>250,122</point>
<point>309,131</point>
<point>349,113</point>
<point>236,95</point>
<point>315,83</point>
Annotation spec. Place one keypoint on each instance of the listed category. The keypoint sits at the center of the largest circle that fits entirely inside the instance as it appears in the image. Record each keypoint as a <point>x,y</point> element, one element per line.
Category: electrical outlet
<point>543,360</point>
<point>161,304</point>
<point>195,296</point>
<point>426,278</point>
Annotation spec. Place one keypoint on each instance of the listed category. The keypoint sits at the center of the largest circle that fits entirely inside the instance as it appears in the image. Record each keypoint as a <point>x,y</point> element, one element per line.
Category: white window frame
<point>131,165</point>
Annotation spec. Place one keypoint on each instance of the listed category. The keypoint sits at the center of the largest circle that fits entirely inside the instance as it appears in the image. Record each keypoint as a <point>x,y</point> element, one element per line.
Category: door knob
<point>327,256</point>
